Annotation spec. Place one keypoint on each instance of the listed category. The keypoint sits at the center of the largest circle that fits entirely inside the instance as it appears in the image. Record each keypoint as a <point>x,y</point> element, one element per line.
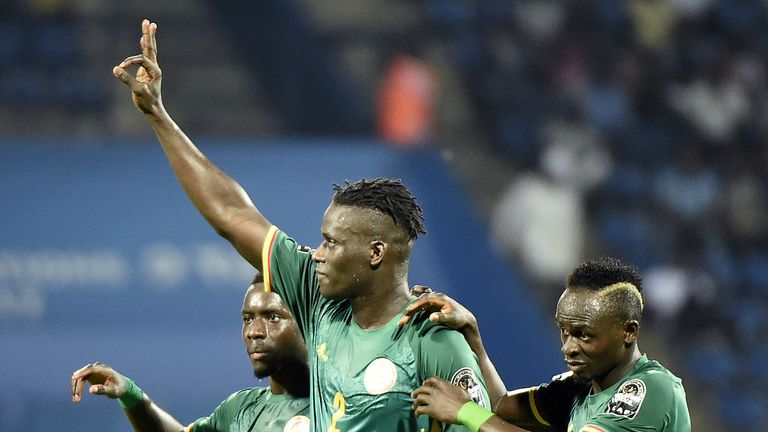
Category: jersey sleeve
<point>551,402</point>
<point>223,415</point>
<point>645,403</point>
<point>288,270</point>
<point>444,352</point>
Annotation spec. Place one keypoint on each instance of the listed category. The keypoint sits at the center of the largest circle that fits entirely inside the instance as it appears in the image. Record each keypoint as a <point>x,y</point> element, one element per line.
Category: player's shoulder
<point>420,326</point>
<point>652,386</point>
<point>655,375</point>
<point>428,337</point>
<point>247,395</point>
<point>289,243</point>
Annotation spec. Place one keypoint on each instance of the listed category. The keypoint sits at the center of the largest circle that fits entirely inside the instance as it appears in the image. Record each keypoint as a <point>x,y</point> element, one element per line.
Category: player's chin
<point>261,370</point>
<point>327,291</point>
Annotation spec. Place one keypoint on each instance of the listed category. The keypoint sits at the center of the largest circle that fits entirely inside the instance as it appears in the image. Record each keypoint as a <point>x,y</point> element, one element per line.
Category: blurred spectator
<point>654,22</point>
<point>744,201</point>
<point>678,293</point>
<point>716,103</point>
<point>687,189</point>
<point>540,217</point>
<point>406,103</point>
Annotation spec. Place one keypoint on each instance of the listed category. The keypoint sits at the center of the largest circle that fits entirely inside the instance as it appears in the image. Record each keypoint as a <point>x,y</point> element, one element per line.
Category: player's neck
<point>383,302</point>
<point>619,371</point>
<point>292,382</point>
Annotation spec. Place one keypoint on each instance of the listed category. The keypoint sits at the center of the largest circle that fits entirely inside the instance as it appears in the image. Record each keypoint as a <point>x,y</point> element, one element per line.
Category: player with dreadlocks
<point>611,385</point>
<point>347,296</point>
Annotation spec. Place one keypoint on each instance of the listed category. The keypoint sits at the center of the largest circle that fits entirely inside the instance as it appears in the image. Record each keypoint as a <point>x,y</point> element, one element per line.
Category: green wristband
<point>473,416</point>
<point>133,395</point>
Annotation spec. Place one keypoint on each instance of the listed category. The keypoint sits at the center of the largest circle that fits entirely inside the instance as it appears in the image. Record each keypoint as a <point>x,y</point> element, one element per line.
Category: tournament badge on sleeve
<point>466,379</point>
<point>628,399</point>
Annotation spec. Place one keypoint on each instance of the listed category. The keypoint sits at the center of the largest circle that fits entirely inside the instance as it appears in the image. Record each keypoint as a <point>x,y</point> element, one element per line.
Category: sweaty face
<point>271,336</point>
<point>593,340</point>
<point>343,258</point>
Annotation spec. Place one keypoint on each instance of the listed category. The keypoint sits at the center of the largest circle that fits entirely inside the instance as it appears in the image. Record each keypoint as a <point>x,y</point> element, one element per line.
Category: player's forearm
<point>496,424</point>
<point>496,388</point>
<point>477,418</point>
<point>216,195</point>
<point>148,417</point>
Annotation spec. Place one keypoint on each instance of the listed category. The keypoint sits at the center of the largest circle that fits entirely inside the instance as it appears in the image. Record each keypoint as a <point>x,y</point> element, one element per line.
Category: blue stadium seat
<point>743,409</point>
<point>11,43</point>
<point>26,86</point>
<point>57,43</point>
<point>712,364</point>
<point>754,267</point>
<point>628,182</point>
<point>628,235</point>
<point>450,13</point>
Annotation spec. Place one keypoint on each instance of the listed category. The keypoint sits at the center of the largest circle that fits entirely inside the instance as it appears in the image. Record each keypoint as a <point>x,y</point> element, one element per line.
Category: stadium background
<point>547,132</point>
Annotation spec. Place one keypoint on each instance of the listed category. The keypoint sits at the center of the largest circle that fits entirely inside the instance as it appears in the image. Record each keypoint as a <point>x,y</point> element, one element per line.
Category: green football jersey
<point>256,410</point>
<point>648,398</point>
<point>361,380</point>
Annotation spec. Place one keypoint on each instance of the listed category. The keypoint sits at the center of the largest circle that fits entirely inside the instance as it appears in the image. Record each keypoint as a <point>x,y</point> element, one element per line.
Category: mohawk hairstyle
<point>599,273</point>
<point>618,281</point>
<point>388,196</point>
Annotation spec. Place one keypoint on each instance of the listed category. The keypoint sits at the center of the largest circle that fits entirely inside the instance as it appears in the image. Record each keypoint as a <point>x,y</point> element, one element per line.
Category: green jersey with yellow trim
<point>256,410</point>
<point>648,398</point>
<point>361,380</point>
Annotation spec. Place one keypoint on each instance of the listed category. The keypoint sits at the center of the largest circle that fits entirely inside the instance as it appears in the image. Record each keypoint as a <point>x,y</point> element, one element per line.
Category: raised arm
<point>217,196</point>
<point>144,415</point>
<point>513,406</point>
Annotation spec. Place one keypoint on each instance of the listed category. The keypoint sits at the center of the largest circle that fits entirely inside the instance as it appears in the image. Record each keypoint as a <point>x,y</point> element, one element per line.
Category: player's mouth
<point>576,366</point>
<point>257,355</point>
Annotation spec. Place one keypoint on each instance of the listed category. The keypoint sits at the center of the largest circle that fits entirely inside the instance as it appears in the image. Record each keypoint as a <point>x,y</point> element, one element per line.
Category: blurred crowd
<point>43,55</point>
<point>637,129</point>
<point>634,128</point>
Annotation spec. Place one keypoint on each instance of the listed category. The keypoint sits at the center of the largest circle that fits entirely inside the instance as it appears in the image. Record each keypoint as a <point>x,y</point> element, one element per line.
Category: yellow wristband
<point>473,416</point>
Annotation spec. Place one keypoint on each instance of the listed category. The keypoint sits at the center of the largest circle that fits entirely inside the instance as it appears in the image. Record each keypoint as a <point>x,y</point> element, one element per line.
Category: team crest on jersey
<point>380,376</point>
<point>297,424</point>
<point>466,379</point>
<point>628,399</point>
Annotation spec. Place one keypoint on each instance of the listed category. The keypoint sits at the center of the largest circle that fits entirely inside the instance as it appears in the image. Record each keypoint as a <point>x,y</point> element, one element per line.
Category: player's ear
<point>376,252</point>
<point>631,329</point>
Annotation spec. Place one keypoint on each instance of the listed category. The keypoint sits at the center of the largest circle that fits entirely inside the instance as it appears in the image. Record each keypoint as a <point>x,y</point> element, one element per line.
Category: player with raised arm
<point>274,345</point>
<point>347,296</point>
<point>610,386</point>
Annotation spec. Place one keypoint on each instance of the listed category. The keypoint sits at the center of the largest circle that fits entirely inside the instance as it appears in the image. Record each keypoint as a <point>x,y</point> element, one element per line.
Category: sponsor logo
<point>466,379</point>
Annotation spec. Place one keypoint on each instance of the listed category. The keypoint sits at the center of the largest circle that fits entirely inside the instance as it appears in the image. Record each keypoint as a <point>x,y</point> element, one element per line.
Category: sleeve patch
<point>466,379</point>
<point>628,399</point>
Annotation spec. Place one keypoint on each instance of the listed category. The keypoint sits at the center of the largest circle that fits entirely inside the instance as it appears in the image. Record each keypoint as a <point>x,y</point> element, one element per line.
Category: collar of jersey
<point>388,326</point>
<point>642,361</point>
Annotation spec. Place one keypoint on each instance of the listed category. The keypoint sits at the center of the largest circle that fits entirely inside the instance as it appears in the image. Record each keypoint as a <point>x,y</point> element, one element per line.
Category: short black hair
<point>388,196</point>
<point>604,272</point>
<point>258,278</point>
